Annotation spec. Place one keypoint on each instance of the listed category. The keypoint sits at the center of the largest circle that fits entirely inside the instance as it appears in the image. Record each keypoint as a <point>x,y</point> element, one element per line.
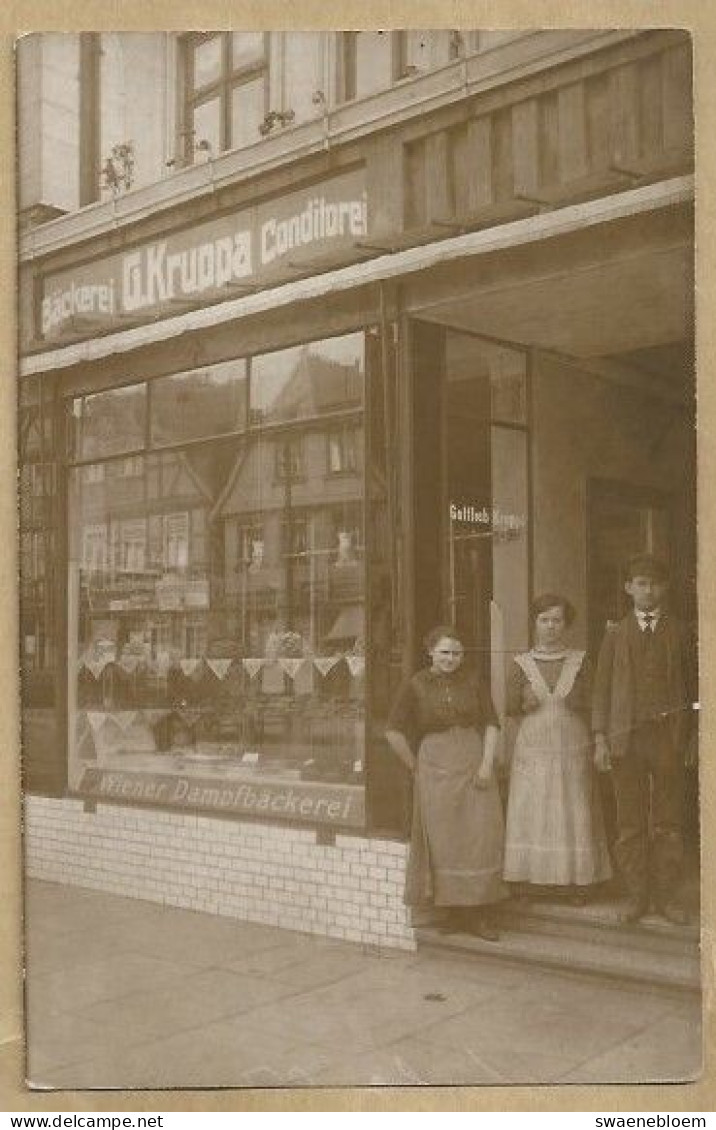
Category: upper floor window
<point>226,84</point>
<point>343,447</point>
<point>289,459</point>
<point>373,60</point>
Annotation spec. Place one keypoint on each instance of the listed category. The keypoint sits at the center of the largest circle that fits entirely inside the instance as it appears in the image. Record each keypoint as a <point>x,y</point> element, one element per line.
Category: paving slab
<point>136,996</point>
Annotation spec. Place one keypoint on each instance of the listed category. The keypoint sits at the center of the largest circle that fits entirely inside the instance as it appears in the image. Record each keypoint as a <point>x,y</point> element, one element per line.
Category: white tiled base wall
<point>352,889</point>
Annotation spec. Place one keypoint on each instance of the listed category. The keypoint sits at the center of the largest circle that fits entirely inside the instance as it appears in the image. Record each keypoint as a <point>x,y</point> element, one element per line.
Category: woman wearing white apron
<point>554,830</point>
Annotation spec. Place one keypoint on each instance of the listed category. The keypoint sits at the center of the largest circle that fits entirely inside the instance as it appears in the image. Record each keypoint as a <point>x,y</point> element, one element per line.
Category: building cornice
<point>549,225</point>
<point>478,74</point>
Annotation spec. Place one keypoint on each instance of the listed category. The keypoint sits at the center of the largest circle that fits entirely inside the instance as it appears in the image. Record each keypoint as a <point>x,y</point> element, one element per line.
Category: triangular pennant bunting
<point>253,666</point>
<point>220,667</point>
<point>291,666</point>
<point>326,663</point>
<point>96,666</point>
<point>189,666</point>
<point>356,664</point>
<point>125,719</point>
<point>129,663</point>
<point>96,720</point>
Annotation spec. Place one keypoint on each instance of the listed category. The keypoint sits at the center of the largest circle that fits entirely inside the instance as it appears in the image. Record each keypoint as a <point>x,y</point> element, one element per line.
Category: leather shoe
<point>633,911</point>
<point>673,913</point>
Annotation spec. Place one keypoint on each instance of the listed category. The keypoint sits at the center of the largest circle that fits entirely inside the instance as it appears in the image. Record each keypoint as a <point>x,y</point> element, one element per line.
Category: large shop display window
<point>217,587</point>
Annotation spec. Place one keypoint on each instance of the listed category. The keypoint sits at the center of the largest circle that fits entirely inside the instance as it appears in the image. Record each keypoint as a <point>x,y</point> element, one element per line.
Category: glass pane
<point>303,68</point>
<point>38,545</point>
<point>107,423</point>
<point>247,47</point>
<point>248,110</point>
<point>374,61</point>
<point>472,358</point>
<point>487,481</point>
<point>509,614</point>
<point>309,380</point>
<point>207,61</point>
<point>207,126</point>
<point>206,402</point>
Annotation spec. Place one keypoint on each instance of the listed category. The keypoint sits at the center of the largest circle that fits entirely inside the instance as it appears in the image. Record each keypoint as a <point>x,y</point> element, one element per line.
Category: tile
<point>94,911</point>
<point>201,998</point>
<point>590,994</point>
<point>47,952</point>
<point>106,979</point>
<point>475,968</point>
<point>201,947</point>
<point>58,1038</point>
<point>448,978</point>
<point>360,1013</point>
<point>217,1055</point>
<point>409,1062</point>
<point>534,1035</point>
<point>668,1051</point>
<point>301,967</point>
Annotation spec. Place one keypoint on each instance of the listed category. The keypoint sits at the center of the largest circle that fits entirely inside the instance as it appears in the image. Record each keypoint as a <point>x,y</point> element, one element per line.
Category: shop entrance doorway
<point>471,494</point>
<point>622,520</point>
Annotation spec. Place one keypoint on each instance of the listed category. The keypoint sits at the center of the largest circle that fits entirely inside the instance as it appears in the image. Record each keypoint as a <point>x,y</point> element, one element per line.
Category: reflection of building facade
<point>327,337</point>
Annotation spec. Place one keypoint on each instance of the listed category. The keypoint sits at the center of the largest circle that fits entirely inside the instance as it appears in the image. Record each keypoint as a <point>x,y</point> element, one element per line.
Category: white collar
<point>654,616</point>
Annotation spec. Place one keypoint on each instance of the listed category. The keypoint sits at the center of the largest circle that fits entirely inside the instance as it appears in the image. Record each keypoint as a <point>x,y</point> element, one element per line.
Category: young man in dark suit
<point>643,695</point>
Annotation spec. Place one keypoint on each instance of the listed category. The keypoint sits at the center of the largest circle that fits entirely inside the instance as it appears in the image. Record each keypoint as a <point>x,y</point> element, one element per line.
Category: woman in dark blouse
<point>555,833</point>
<point>443,726</point>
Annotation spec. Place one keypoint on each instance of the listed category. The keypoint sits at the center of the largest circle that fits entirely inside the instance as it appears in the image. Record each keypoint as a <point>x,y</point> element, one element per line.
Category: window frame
<point>401,69</point>
<point>295,447</point>
<point>343,435</point>
<point>265,604</point>
<point>230,78</point>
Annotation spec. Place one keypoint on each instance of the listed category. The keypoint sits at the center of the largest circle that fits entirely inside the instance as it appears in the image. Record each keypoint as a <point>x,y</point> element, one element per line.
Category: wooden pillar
<point>478,164</point>
<point>624,114</point>
<point>572,127</point>
<point>525,148</point>
<point>439,197</point>
<point>385,173</point>
<point>678,99</point>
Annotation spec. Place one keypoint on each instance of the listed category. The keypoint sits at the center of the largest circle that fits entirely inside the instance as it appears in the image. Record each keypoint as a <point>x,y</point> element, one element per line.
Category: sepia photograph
<point>358,625</point>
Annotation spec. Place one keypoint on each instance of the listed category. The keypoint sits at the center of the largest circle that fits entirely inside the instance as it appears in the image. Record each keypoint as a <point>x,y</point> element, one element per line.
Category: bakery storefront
<point>269,451</point>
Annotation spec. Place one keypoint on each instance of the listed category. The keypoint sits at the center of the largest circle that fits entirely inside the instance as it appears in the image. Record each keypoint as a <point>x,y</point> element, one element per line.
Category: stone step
<point>599,922</point>
<point>626,963</point>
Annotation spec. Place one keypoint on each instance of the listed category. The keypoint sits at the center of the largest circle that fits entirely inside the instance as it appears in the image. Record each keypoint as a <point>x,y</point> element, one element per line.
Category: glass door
<point>471,494</point>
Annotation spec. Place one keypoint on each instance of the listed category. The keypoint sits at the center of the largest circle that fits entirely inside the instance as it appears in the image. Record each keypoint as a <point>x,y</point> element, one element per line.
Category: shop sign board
<point>309,802</point>
<point>209,261</point>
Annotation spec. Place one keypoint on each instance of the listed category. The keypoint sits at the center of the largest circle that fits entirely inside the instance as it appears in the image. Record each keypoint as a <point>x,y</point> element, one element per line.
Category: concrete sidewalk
<point>130,994</point>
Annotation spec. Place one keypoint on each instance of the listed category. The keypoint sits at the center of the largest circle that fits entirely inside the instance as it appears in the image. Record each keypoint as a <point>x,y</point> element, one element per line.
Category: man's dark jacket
<point>614,708</point>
